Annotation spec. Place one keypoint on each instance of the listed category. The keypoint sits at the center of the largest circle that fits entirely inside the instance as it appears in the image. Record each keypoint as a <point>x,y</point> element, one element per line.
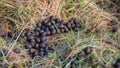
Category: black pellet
<point>47,32</point>
<point>58,25</point>
<point>36,46</point>
<point>88,50</point>
<point>42,45</point>
<point>37,33</point>
<point>28,46</point>
<point>47,28</point>
<point>37,29</point>
<point>31,39</point>
<point>41,54</point>
<point>41,31</point>
<point>23,34</point>
<point>45,42</point>
<point>35,53</point>
<point>68,25</point>
<point>42,27</point>
<point>37,40</point>
<point>53,31</point>
<point>43,34</point>
<point>42,49</point>
<point>51,27</point>
<point>16,50</point>
<point>43,38</point>
<point>32,44</point>
<point>10,34</point>
<point>28,34</point>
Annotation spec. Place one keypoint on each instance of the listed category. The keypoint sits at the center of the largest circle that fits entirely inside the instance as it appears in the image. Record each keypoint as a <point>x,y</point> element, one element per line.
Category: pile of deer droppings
<point>36,41</point>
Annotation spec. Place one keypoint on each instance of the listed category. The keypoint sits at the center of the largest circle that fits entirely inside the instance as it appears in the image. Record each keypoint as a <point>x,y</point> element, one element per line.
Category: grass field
<point>101,30</point>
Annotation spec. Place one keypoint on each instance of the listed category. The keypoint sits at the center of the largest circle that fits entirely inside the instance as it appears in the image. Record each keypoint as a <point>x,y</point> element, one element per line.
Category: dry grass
<point>96,32</point>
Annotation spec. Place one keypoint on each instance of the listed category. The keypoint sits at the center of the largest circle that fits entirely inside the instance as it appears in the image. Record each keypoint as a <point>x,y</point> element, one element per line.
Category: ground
<point>101,31</point>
